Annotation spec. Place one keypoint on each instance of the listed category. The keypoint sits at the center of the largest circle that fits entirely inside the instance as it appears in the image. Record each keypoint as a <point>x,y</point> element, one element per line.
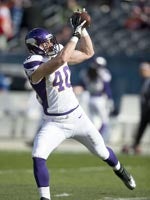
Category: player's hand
<point>75,19</point>
<point>78,30</point>
<point>77,24</point>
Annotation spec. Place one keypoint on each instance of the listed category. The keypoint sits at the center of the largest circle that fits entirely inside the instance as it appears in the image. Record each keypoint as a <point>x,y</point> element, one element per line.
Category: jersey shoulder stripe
<point>33,58</point>
<point>32,64</point>
<point>33,61</point>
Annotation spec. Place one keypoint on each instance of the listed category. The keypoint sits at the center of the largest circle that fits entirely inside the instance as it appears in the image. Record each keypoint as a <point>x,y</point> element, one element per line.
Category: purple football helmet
<point>36,37</point>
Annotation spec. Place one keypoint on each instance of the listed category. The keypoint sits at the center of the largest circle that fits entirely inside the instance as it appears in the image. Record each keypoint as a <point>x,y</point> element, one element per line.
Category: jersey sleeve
<point>32,63</point>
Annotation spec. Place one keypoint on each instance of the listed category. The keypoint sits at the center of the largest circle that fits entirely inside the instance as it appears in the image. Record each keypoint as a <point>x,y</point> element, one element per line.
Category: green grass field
<point>73,177</point>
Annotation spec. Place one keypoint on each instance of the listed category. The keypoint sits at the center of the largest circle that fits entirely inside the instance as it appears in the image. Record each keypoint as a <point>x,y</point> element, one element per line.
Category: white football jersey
<point>54,91</point>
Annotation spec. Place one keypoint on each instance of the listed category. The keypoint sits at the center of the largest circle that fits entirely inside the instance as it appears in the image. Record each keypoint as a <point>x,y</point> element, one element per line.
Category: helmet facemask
<point>50,46</point>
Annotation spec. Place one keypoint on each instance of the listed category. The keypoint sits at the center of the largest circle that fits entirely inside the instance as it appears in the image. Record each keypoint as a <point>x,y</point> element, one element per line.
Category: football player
<point>48,72</point>
<point>96,80</point>
<point>144,111</point>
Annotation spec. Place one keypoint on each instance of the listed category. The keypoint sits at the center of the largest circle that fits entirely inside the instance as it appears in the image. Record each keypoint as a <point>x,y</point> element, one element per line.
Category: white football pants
<point>75,125</point>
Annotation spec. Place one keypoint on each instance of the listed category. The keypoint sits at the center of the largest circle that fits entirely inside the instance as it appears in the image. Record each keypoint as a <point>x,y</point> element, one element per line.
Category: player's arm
<point>53,64</point>
<point>63,56</point>
<point>85,50</point>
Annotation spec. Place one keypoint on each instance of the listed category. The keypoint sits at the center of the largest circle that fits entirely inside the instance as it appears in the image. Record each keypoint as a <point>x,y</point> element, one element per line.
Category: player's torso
<point>95,87</point>
<point>54,91</point>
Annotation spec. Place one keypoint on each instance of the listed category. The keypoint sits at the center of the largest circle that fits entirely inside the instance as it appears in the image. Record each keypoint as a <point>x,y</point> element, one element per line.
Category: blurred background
<point>120,31</point>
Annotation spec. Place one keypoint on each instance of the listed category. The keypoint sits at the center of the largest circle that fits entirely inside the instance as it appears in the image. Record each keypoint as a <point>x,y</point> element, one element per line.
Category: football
<point>86,16</point>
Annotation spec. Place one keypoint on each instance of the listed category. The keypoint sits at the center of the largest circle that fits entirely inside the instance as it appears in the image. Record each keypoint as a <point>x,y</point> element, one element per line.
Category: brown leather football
<point>86,16</point>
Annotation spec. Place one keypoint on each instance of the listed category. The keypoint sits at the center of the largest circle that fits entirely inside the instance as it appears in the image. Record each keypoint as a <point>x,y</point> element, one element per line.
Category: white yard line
<point>62,195</point>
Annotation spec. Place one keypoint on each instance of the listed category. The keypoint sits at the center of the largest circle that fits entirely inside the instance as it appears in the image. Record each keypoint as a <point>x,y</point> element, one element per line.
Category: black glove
<point>77,24</point>
<point>75,19</point>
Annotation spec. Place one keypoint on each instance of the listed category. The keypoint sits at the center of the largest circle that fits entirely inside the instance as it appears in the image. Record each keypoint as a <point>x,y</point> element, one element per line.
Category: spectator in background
<point>145,111</point>
<point>64,34</point>
<point>73,5</point>
<point>4,95</point>
<point>64,30</point>
<point>32,15</point>
<point>16,8</point>
<point>70,6</point>
<point>4,83</point>
<point>96,80</point>
<point>139,17</point>
<point>6,28</point>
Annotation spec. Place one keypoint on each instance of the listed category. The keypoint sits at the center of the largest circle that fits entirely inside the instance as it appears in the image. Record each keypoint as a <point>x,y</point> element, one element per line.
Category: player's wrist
<point>77,34</point>
<point>74,39</point>
<point>84,32</point>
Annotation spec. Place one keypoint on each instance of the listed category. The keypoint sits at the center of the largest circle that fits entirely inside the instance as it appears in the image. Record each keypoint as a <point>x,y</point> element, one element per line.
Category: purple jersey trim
<point>41,92</point>
<point>60,114</point>
<point>32,64</point>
